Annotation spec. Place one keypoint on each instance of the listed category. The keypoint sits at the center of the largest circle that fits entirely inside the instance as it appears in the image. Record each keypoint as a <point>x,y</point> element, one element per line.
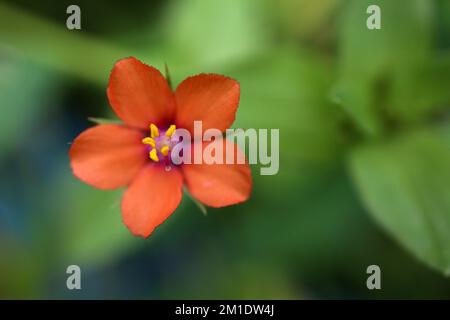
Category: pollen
<point>149,141</point>
<point>154,132</point>
<point>171,131</point>
<point>165,150</point>
<point>153,155</point>
<point>159,145</point>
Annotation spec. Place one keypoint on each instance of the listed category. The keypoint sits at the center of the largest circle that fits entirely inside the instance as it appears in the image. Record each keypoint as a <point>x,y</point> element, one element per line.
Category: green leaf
<point>75,53</point>
<point>199,205</point>
<point>167,75</point>
<point>215,32</point>
<point>370,60</point>
<point>405,185</point>
<point>305,18</point>
<point>287,89</point>
<point>420,93</point>
<point>104,120</point>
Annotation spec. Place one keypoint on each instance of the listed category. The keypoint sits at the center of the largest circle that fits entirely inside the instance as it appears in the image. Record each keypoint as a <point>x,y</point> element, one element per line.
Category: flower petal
<point>211,98</point>
<point>151,199</point>
<point>139,94</point>
<point>219,185</point>
<point>107,156</point>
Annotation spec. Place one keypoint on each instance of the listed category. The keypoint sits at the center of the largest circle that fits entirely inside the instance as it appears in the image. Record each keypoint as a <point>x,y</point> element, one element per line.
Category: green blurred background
<point>364,119</point>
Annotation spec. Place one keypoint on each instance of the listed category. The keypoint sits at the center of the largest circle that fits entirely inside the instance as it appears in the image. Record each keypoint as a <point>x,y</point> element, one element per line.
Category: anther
<point>149,141</point>
<point>171,130</point>
<point>154,132</point>
<point>153,155</point>
<point>165,150</point>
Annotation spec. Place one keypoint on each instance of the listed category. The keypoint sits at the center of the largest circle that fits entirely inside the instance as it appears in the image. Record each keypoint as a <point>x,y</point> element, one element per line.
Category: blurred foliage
<point>405,185</point>
<point>364,134</point>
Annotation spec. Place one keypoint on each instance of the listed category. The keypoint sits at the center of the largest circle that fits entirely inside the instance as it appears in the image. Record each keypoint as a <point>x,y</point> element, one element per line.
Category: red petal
<point>151,199</point>
<point>107,156</point>
<point>139,94</point>
<point>210,98</point>
<point>219,185</point>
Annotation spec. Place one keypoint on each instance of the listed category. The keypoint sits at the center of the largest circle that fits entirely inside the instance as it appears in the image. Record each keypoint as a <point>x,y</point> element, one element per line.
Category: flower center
<point>160,144</point>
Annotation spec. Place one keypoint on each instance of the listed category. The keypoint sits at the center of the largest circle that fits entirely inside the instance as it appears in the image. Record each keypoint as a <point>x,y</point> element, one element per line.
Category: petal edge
<point>151,198</point>
<point>219,185</point>
<point>211,98</point>
<point>139,94</point>
<point>107,156</point>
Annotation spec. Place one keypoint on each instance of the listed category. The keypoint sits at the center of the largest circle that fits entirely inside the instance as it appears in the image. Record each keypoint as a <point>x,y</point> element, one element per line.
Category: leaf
<point>422,92</point>
<point>104,120</point>
<point>304,18</point>
<point>405,185</point>
<point>199,205</point>
<point>287,89</point>
<point>303,228</point>
<point>88,58</point>
<point>215,32</point>
<point>168,77</point>
<point>370,60</point>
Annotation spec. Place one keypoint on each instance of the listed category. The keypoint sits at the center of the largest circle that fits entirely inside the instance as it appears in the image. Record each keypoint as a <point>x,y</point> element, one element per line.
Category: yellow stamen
<point>165,150</point>
<point>153,155</point>
<point>149,141</point>
<point>154,132</point>
<point>170,131</point>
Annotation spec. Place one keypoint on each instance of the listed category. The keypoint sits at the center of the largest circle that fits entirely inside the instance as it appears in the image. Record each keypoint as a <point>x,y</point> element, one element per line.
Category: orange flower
<point>110,156</point>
